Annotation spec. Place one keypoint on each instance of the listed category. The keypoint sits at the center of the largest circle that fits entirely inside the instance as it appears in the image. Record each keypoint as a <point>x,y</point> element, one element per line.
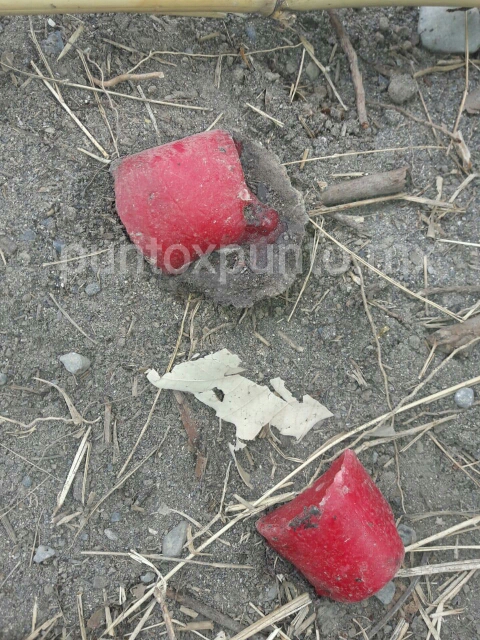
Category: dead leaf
<point>472,103</point>
<point>215,381</point>
<point>96,619</point>
<point>245,476</point>
<point>6,61</point>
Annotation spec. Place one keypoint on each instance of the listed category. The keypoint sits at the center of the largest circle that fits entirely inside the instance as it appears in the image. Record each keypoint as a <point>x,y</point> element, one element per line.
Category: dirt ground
<point>52,196</point>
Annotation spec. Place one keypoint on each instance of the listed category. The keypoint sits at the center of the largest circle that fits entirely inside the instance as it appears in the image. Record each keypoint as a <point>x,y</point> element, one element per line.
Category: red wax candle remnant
<point>340,533</point>
<point>183,199</point>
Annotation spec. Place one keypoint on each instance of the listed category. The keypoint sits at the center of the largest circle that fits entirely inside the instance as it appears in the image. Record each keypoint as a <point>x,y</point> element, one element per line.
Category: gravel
<point>43,553</point>
<point>464,398</point>
<point>174,540</point>
<point>92,289</point>
<point>3,379</point>
<point>407,534</point>
<point>111,535</point>
<point>386,594</point>
<point>74,363</point>
<point>402,88</point>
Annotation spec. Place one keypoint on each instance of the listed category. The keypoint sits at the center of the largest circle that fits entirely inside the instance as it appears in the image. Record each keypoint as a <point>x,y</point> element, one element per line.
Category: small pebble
<point>3,379</point>
<point>174,540</point>
<point>111,535</point>
<point>464,398</point>
<point>251,32</point>
<point>99,582</point>
<point>92,289</point>
<point>59,245</point>
<point>386,594</point>
<point>147,577</point>
<point>27,482</point>
<point>407,534</point>
<point>238,75</point>
<point>28,236</point>
<point>74,363</point>
<point>272,77</point>
<point>383,23</point>
<point>402,88</point>
<point>116,516</point>
<point>312,71</point>
<point>53,45</point>
<point>43,553</point>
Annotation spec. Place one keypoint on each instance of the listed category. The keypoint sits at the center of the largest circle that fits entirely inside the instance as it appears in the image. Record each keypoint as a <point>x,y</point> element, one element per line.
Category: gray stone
<point>53,45</point>
<point>8,246</point>
<point>443,30</point>
<point>74,363</point>
<point>464,398</point>
<point>291,67</point>
<point>111,535</point>
<point>402,88</point>
<point>99,582</point>
<point>27,482</point>
<point>383,23</point>
<point>92,289</point>
<point>272,77</point>
<point>386,594</point>
<point>407,534</point>
<point>116,516</point>
<point>43,553</point>
<point>238,75</point>
<point>312,71</point>
<point>174,540</point>
<point>148,577</point>
<point>3,379</point>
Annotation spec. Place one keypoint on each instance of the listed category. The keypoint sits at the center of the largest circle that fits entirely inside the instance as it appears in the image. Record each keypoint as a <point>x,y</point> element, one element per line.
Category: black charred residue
<point>305,519</point>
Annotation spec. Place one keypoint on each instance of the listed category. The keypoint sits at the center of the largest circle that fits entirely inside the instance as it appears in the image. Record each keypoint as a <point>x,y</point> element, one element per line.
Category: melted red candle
<point>340,533</point>
<point>186,198</point>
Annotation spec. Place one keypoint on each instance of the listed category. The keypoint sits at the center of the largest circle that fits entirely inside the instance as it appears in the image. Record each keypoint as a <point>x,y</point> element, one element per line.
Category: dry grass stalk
<point>452,459</point>
<point>467,66</point>
<point>311,52</point>
<point>71,320</point>
<point>44,628</point>
<point>316,242</point>
<point>279,123</point>
<point>65,106</point>
<point>161,558</point>
<point>445,567</point>
<point>71,41</point>
<point>299,75</point>
<point>77,461</point>
<point>87,255</point>
<point>364,153</point>
<point>443,534</point>
<point>466,244</point>
<point>143,620</point>
<point>150,114</point>
<point>276,629</point>
<point>383,275</point>
<point>446,206</point>
<point>275,616</point>
<point>438,68</point>
<point>217,119</point>
<point>81,619</point>
<point>77,419</point>
<point>407,114</point>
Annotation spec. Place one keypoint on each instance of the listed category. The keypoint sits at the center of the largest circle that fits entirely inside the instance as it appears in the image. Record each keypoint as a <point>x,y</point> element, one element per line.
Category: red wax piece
<point>187,198</point>
<point>340,533</point>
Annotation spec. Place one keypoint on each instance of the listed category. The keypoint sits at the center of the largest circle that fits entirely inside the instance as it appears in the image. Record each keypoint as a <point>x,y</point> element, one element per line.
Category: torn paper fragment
<point>214,380</point>
<point>198,375</point>
<point>248,405</point>
<point>297,418</point>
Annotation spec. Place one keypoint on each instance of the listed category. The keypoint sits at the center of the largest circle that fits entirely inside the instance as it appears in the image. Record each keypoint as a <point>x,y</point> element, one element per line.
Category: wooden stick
<point>353,60</point>
<point>207,8</point>
<point>126,77</point>
<point>372,186</point>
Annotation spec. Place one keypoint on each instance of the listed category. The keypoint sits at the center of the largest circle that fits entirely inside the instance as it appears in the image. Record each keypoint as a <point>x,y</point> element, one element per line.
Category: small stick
<point>265,115</point>
<point>316,241</point>
<point>290,342</point>
<point>77,461</point>
<point>159,595</point>
<point>367,187</point>
<point>353,60</point>
<point>127,77</point>
<point>71,320</point>
<point>466,244</point>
